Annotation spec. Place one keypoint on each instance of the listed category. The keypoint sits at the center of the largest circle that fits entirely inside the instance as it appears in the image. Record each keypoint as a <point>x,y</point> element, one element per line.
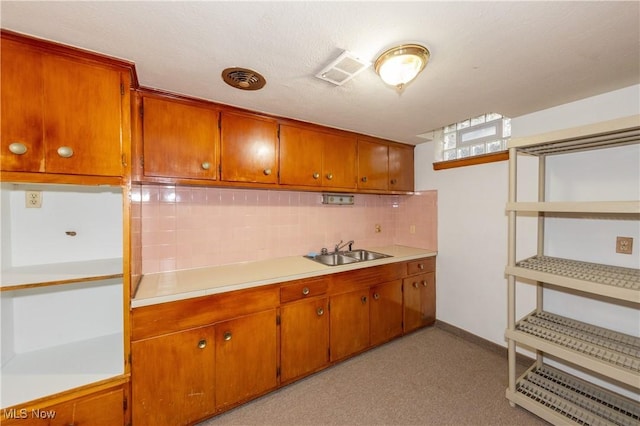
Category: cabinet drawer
<point>421,265</point>
<point>303,289</point>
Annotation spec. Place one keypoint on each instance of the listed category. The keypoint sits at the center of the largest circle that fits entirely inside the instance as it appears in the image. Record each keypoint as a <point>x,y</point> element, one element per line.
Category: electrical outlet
<point>33,199</point>
<point>624,245</point>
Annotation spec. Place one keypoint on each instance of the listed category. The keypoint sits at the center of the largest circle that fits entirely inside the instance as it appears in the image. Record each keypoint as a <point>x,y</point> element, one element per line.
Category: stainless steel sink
<point>365,255</point>
<point>343,258</point>
<point>334,259</point>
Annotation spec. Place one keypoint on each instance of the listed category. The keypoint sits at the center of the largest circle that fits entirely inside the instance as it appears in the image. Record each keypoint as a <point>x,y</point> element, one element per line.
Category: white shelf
<point>619,132</point>
<point>60,273</point>
<point>611,281</point>
<point>37,374</point>
<point>561,398</point>
<point>591,207</point>
<point>613,354</point>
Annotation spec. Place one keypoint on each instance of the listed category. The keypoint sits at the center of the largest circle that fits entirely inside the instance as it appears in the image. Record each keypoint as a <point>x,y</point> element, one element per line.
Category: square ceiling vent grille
<point>343,69</point>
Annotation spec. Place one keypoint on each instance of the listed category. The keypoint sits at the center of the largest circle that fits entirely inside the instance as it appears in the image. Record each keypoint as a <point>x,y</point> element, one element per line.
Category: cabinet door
<point>304,338</point>
<point>300,156</point>
<point>180,140</point>
<point>21,117</point>
<point>373,165</point>
<point>386,311</point>
<point>248,148</point>
<point>349,323</point>
<point>172,378</point>
<point>339,161</point>
<point>419,301</point>
<point>245,358</point>
<point>401,168</point>
<point>82,118</point>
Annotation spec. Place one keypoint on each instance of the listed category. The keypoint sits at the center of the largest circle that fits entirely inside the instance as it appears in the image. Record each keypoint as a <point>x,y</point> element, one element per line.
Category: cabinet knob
<point>65,151</point>
<point>202,344</point>
<point>329,176</point>
<point>320,312</point>
<point>393,181</point>
<point>316,175</point>
<point>206,165</point>
<point>415,285</point>
<point>421,266</point>
<point>364,178</point>
<point>376,296</point>
<point>363,299</point>
<point>266,172</point>
<point>424,283</point>
<point>305,291</point>
<point>18,148</point>
<point>226,336</point>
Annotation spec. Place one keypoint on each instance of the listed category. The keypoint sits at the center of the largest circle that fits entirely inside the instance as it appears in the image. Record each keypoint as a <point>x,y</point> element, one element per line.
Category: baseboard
<point>522,360</point>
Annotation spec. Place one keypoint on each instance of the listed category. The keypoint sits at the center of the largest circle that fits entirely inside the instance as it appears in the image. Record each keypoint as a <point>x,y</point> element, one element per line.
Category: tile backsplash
<point>188,227</point>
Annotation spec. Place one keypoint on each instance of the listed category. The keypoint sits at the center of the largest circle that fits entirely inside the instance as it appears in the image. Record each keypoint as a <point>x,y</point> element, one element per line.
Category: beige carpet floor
<point>430,377</point>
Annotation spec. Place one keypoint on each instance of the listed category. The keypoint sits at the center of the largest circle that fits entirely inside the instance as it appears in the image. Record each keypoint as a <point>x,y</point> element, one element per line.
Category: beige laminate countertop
<point>188,283</point>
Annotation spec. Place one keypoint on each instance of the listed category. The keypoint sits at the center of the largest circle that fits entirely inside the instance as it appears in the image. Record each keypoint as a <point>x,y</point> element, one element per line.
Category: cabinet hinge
<point>220,171</point>
<point>219,122</point>
<point>277,319</point>
<point>277,371</point>
<point>125,404</point>
<point>124,160</point>
<point>278,132</point>
<point>129,358</point>
<point>121,89</point>
<point>142,162</point>
<point>141,111</point>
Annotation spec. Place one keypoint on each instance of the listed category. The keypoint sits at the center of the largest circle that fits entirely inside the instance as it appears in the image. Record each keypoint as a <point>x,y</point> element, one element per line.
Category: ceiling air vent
<point>243,78</point>
<point>343,69</point>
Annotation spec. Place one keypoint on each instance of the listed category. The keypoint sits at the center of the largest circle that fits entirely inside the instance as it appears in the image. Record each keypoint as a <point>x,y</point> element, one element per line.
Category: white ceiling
<point>507,57</point>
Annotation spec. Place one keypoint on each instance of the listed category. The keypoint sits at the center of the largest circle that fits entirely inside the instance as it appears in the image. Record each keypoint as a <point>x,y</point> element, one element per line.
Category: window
<point>484,134</point>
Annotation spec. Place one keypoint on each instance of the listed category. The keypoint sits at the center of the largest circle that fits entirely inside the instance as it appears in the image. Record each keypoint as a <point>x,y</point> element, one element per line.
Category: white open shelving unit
<point>61,290</point>
<point>554,394</point>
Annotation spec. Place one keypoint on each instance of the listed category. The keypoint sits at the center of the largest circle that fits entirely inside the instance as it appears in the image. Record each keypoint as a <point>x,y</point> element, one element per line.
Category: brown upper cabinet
<point>384,165</point>
<point>62,115</point>
<point>180,140</point>
<point>248,148</point>
<point>401,168</point>
<point>316,158</point>
<point>373,164</point>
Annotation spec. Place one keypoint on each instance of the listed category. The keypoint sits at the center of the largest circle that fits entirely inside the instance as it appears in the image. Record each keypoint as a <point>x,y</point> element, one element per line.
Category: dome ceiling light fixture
<point>399,65</point>
<point>243,78</point>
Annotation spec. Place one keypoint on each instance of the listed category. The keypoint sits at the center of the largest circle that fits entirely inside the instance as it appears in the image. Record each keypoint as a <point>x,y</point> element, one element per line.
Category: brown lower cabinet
<point>98,409</point>
<point>196,358</point>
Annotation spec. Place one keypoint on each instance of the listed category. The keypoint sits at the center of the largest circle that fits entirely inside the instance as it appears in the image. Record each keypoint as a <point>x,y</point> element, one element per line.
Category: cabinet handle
<point>320,312</point>
<point>329,176</point>
<point>424,283</point>
<point>376,296</point>
<point>364,178</point>
<point>393,181</point>
<point>202,344</point>
<point>363,299</point>
<point>305,291</point>
<point>18,148</point>
<point>227,336</point>
<point>415,285</point>
<point>267,172</point>
<point>421,266</point>
<point>316,175</point>
<point>65,151</point>
<point>206,165</point>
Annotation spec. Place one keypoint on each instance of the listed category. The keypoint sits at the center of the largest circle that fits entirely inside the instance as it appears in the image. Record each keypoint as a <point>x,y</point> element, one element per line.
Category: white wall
<point>472,224</point>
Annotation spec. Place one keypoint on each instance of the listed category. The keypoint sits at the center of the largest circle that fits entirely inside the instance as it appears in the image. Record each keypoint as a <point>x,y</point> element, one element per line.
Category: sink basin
<point>365,255</point>
<point>334,259</point>
<point>342,258</point>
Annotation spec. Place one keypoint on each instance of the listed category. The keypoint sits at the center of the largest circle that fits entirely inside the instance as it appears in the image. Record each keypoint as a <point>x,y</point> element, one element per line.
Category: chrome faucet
<point>340,246</point>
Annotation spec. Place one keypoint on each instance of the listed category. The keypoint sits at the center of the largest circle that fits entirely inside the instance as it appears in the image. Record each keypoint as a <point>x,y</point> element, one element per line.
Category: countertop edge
<point>323,270</point>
